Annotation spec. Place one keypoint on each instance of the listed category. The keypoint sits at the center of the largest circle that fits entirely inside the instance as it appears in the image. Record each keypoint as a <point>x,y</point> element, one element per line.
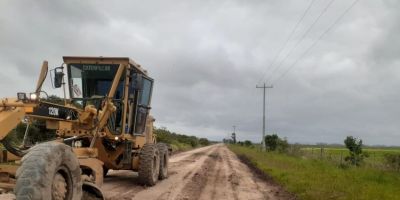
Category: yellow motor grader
<point>105,124</point>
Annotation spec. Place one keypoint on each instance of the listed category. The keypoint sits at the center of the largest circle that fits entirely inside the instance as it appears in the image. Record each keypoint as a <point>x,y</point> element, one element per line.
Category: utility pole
<point>234,134</point>
<point>264,87</point>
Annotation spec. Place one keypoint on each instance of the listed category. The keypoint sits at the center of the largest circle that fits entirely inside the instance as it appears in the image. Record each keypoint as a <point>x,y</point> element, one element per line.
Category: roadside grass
<point>375,155</point>
<point>320,179</point>
<point>178,147</point>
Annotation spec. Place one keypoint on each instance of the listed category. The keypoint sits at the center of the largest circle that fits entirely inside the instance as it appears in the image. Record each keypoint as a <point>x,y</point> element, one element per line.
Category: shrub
<point>181,142</point>
<point>204,141</point>
<point>295,150</point>
<point>393,161</point>
<point>282,145</point>
<point>37,131</point>
<point>248,143</point>
<point>354,145</point>
<point>273,142</point>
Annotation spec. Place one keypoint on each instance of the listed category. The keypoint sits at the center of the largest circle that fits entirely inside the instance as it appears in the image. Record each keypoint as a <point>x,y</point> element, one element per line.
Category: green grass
<point>177,146</point>
<point>375,158</point>
<point>320,179</point>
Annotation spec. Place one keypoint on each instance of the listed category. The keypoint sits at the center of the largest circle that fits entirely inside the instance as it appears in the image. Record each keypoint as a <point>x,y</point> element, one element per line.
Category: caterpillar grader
<point>104,124</point>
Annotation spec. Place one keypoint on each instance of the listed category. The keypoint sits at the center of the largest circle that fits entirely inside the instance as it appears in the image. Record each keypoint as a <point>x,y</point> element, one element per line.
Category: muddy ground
<point>212,172</point>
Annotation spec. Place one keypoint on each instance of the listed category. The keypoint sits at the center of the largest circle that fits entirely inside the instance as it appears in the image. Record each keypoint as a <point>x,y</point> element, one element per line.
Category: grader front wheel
<point>149,166</point>
<point>49,171</point>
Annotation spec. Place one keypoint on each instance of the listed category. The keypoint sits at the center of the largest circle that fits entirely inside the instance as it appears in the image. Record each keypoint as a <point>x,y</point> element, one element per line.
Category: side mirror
<point>137,82</point>
<point>58,77</point>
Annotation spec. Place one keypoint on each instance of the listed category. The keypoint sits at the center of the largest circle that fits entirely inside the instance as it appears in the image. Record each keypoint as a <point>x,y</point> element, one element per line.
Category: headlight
<point>78,144</point>
<point>33,96</point>
<point>21,96</point>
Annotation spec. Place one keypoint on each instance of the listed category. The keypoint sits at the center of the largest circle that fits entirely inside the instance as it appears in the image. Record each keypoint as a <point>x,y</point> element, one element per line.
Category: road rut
<point>211,172</point>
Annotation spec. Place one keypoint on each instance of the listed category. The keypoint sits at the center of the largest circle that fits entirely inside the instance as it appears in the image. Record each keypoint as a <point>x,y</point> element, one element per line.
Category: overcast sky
<point>207,56</point>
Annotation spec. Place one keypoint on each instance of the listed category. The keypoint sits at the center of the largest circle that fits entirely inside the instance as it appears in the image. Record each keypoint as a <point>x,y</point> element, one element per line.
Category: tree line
<point>166,136</point>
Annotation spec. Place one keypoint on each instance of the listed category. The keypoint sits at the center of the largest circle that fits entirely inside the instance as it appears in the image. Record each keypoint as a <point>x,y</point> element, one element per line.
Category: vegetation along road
<point>211,172</point>
<point>325,174</point>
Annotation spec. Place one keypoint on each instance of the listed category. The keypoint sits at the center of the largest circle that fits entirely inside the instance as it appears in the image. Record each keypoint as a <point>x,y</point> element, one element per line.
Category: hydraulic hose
<point>12,149</point>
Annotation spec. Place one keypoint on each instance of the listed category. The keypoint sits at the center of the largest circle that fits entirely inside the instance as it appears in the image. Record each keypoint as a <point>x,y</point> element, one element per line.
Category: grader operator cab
<point>104,125</point>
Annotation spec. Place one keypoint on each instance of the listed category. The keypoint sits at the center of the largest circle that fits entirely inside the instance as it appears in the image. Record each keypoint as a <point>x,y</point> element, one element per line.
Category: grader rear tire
<point>105,171</point>
<point>49,171</point>
<point>149,164</point>
<point>164,159</point>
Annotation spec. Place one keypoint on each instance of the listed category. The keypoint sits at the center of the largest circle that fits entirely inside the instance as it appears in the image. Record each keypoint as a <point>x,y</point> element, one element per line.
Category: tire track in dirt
<point>183,169</point>
<point>212,172</point>
<point>218,186</point>
<point>248,182</point>
<point>233,178</point>
<point>217,178</point>
<point>193,189</point>
<point>123,184</point>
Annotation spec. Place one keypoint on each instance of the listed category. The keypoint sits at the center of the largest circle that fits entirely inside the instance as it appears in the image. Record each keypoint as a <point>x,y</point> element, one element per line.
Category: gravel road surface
<point>211,172</point>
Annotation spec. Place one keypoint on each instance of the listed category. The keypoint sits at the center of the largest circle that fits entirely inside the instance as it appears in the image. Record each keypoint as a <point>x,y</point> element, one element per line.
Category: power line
<point>317,40</point>
<point>301,39</point>
<point>287,40</point>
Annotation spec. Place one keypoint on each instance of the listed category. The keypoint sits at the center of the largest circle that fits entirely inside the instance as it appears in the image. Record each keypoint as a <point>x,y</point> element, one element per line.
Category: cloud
<point>207,56</point>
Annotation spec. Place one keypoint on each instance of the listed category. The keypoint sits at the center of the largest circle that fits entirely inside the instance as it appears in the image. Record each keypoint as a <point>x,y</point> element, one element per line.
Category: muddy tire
<point>164,159</point>
<point>49,171</point>
<point>105,171</point>
<point>149,165</point>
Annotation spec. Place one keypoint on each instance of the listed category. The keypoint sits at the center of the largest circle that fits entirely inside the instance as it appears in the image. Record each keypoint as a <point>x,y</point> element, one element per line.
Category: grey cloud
<point>207,56</point>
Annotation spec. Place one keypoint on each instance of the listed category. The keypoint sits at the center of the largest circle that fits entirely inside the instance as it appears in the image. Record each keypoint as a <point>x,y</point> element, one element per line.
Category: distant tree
<point>204,141</point>
<point>354,145</point>
<point>164,135</point>
<point>275,143</point>
<point>37,131</point>
<point>248,143</point>
<point>271,142</point>
<point>228,141</point>
<point>55,99</point>
<point>283,145</point>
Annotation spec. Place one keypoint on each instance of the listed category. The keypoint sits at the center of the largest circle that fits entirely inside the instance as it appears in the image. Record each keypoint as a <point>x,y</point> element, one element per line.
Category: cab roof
<point>103,60</point>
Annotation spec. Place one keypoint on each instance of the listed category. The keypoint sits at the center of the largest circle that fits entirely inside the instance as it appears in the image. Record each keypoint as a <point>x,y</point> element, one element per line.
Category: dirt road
<point>212,172</point>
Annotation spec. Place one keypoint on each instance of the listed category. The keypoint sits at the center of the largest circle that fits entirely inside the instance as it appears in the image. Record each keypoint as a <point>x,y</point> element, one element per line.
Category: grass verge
<point>319,179</point>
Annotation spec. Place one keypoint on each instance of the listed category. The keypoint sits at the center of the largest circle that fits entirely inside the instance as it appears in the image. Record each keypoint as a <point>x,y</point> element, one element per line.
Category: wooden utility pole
<point>264,87</point>
<point>234,134</point>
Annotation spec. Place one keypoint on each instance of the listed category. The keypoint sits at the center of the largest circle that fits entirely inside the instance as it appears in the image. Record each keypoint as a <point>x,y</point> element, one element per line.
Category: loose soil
<point>212,172</point>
